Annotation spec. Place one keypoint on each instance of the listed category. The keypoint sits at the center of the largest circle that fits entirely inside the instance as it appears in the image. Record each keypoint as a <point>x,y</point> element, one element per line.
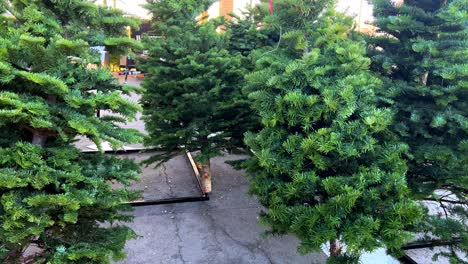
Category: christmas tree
<point>57,204</point>
<point>193,98</point>
<point>422,50</point>
<point>247,35</point>
<point>325,164</point>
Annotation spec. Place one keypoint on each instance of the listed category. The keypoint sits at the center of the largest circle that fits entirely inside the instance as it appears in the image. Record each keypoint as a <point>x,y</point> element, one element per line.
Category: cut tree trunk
<point>424,77</point>
<point>205,174</point>
<point>335,248</point>
<point>39,137</point>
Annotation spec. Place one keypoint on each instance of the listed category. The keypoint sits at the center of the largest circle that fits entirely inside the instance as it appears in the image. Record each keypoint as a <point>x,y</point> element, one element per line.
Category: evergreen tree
<point>55,200</point>
<point>423,54</point>
<point>193,99</point>
<point>249,41</point>
<point>325,165</point>
<point>246,33</point>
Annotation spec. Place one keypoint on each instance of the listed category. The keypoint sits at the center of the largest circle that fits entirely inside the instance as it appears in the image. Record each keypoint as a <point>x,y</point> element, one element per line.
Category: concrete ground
<point>223,230</point>
<point>173,179</point>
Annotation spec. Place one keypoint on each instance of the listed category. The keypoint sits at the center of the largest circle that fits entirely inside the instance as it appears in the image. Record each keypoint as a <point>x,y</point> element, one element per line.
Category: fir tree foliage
<point>325,164</point>
<point>249,41</point>
<point>193,99</point>
<point>422,54</point>
<point>246,32</point>
<point>52,196</point>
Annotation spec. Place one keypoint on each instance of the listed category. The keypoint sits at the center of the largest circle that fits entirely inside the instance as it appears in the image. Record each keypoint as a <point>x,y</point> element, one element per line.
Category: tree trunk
<point>424,77</point>
<point>205,174</point>
<point>335,248</point>
<point>39,138</point>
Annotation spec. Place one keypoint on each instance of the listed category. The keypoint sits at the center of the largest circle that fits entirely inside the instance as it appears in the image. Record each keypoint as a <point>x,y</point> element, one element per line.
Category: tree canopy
<point>421,52</point>
<point>326,164</point>
<point>53,197</point>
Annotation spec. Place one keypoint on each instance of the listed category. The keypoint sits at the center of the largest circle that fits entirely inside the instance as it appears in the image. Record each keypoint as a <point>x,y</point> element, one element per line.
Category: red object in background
<point>271,6</point>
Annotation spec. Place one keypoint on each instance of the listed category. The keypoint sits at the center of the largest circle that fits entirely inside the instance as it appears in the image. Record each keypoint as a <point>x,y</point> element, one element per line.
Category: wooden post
<point>335,248</point>
<point>205,174</point>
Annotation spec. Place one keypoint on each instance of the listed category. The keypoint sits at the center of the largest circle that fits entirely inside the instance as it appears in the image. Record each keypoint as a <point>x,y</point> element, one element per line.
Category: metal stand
<point>189,199</point>
<point>169,201</point>
<point>407,260</point>
<point>426,244</point>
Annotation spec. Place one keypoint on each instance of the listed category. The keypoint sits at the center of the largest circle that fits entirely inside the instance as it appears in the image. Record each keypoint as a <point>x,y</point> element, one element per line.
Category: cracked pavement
<point>224,229</point>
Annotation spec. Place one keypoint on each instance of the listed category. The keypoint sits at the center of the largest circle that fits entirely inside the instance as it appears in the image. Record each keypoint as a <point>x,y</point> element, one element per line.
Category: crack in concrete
<point>164,172</point>
<point>174,218</point>
<point>212,226</point>
<point>179,238</point>
<point>265,254</point>
<point>251,247</point>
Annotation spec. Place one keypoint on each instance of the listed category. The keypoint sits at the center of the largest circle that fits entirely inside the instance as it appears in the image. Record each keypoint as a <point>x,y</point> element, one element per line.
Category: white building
<point>223,7</point>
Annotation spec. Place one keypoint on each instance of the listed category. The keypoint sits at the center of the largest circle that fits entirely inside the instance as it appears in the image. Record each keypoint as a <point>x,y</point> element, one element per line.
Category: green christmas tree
<point>422,53</point>
<point>247,35</point>
<point>57,204</point>
<point>325,164</point>
<point>193,98</point>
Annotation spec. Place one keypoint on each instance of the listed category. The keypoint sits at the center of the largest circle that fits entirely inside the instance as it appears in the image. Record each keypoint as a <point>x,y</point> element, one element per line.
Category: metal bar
<point>122,151</point>
<point>190,199</point>
<point>431,244</point>
<point>425,244</point>
<point>169,201</point>
<point>407,260</point>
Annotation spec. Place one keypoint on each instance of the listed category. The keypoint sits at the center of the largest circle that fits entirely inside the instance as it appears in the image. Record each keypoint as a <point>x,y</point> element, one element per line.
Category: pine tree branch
<point>20,68</point>
<point>9,8</point>
<point>277,44</point>
<point>445,209</point>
